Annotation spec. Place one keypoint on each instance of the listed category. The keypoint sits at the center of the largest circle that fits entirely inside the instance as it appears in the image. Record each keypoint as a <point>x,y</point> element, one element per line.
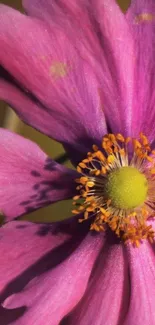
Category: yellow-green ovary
<point>126,187</point>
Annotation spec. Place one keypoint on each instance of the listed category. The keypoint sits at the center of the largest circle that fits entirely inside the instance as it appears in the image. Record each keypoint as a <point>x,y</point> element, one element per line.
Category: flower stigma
<point>126,187</point>
<point>116,187</point>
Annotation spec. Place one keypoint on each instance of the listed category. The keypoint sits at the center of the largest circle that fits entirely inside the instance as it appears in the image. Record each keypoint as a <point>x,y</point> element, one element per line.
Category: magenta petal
<point>34,114</point>
<point>44,275</point>
<point>28,178</point>
<point>141,20</point>
<point>63,12</point>
<point>118,50</point>
<point>50,71</point>
<point>106,298</point>
<point>111,54</point>
<point>23,244</point>
<point>142,277</point>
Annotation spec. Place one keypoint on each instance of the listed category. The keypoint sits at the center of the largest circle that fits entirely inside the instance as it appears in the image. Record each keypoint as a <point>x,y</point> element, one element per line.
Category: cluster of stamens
<point>100,198</point>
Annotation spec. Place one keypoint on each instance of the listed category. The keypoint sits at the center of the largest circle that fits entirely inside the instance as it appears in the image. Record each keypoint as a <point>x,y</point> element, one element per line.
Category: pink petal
<point>118,49</point>
<point>24,244</point>
<point>26,248</point>
<point>28,178</point>
<point>142,277</point>
<point>76,18</point>
<point>44,275</point>
<point>141,20</point>
<point>105,26</point>
<point>103,23</point>
<point>60,11</point>
<point>106,298</point>
<point>49,67</point>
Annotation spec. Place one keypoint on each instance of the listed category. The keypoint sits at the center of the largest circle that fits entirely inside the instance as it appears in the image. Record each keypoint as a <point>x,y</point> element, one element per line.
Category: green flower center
<point>126,187</point>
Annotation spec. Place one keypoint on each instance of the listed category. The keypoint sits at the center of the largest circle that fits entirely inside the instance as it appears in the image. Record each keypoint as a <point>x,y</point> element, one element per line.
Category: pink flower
<point>75,70</point>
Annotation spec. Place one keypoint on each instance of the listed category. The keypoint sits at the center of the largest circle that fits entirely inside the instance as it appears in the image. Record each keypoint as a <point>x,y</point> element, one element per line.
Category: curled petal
<point>28,178</point>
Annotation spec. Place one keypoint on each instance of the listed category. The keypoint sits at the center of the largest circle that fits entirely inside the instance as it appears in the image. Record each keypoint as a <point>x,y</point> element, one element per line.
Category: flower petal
<point>141,19</point>
<point>142,276</point>
<point>23,244</point>
<point>110,36</point>
<point>50,70</point>
<point>60,11</point>
<point>106,298</point>
<point>118,49</point>
<point>48,283</point>
<point>28,178</point>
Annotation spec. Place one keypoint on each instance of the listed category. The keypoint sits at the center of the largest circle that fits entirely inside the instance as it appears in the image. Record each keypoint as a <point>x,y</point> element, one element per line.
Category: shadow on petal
<point>7,316</point>
<point>50,260</point>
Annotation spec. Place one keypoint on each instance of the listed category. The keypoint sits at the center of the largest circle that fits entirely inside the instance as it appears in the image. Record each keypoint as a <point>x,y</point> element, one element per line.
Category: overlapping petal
<point>141,19</point>
<point>47,275</point>
<point>28,178</point>
<point>50,70</point>
<point>106,298</point>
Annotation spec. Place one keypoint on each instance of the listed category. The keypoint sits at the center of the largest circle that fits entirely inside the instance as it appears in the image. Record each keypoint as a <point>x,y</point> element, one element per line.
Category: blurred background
<point>9,120</point>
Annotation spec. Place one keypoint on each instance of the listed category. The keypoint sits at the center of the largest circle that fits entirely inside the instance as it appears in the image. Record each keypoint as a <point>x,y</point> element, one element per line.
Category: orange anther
<point>82,165</point>
<point>110,159</point>
<point>83,180</point>
<point>90,209</point>
<point>97,172</point>
<point>100,156</point>
<point>80,220</point>
<point>136,144</point>
<point>122,152</point>
<point>90,198</point>
<point>112,137</point>
<point>103,170</point>
<point>86,215</point>
<point>75,211</point>
<point>81,208</point>
<point>95,148</point>
<point>76,197</point>
<point>144,139</point>
<point>127,140</point>
<point>120,137</point>
<point>149,158</point>
<point>79,170</point>
<point>90,184</point>
<point>103,210</point>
